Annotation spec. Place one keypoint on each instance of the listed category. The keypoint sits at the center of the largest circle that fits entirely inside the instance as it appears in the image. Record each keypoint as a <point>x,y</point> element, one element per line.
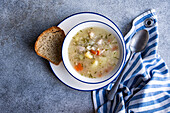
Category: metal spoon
<point>137,44</point>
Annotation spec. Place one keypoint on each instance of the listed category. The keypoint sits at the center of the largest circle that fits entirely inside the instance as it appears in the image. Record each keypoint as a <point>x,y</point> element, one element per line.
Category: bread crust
<point>49,30</point>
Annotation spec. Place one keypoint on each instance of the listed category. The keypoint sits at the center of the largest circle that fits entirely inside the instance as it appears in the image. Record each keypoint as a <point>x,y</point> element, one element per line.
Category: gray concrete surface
<point>27,84</point>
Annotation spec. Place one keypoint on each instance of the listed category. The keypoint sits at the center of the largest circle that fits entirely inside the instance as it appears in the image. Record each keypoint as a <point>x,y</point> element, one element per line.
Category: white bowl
<point>114,30</point>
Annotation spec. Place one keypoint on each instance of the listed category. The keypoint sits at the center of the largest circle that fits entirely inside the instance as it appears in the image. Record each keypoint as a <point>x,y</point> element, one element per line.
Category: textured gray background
<point>27,84</point>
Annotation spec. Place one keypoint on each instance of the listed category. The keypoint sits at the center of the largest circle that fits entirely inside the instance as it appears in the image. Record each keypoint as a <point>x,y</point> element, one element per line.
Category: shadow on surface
<point>126,28</point>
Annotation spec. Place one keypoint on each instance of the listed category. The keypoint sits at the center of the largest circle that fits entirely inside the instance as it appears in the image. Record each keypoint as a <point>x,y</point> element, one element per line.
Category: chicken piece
<point>100,42</point>
<point>88,47</point>
<point>81,48</point>
<point>91,34</point>
<point>101,51</point>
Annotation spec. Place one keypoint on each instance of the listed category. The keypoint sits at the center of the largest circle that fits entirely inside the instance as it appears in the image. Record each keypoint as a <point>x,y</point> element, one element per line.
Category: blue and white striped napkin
<point>145,86</point>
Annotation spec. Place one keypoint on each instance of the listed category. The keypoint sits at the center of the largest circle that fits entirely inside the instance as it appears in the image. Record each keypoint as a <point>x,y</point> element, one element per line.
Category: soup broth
<point>93,52</point>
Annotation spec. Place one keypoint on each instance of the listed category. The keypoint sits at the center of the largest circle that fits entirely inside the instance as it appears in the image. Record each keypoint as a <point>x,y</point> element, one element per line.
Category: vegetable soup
<point>93,52</point>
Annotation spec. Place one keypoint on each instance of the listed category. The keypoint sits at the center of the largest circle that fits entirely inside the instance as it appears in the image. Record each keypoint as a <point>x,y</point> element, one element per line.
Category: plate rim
<point>93,89</point>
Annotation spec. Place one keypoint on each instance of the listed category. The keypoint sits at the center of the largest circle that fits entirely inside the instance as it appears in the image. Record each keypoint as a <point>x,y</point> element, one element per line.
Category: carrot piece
<point>108,40</point>
<point>98,52</point>
<point>108,69</point>
<point>114,48</point>
<point>78,67</point>
<point>92,51</point>
<point>100,75</point>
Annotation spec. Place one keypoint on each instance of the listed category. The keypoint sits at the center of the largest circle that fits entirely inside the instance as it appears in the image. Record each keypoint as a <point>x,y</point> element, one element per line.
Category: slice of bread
<point>49,44</point>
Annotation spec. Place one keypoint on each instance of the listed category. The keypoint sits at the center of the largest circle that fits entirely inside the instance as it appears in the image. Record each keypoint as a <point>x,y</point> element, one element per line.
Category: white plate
<point>60,70</point>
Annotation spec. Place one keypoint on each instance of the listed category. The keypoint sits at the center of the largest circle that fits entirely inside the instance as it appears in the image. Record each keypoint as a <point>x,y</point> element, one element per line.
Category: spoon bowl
<point>139,41</point>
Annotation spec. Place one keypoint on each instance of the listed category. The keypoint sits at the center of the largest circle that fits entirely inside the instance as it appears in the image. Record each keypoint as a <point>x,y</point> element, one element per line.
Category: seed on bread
<point>49,44</point>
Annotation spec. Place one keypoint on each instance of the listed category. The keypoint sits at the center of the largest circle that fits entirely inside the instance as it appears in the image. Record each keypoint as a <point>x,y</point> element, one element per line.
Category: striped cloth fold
<point>145,86</point>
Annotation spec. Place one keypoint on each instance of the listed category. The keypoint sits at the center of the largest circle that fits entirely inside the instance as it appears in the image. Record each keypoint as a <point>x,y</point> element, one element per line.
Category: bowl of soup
<point>94,52</point>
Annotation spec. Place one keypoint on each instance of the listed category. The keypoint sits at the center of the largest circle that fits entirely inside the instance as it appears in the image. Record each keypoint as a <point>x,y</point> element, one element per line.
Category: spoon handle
<point>114,89</point>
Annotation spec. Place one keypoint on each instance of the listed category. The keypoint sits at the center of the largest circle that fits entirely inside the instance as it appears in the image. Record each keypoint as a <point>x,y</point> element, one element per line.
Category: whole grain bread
<point>49,44</point>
